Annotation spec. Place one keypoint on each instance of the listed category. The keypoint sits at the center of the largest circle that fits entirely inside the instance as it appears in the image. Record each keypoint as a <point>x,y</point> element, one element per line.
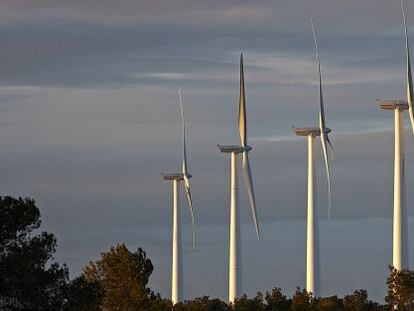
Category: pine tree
<point>123,277</point>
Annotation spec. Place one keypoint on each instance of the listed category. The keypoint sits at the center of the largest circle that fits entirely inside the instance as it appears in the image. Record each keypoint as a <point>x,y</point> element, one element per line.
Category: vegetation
<point>27,281</point>
<point>31,280</point>
<point>401,289</point>
<point>122,277</point>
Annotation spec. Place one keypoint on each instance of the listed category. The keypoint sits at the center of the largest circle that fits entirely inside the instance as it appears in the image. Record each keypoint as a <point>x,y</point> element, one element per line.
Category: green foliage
<point>358,301</point>
<point>83,295</point>
<point>246,304</point>
<point>400,289</point>
<point>157,303</point>
<point>123,277</point>
<point>332,303</point>
<point>202,304</point>
<point>276,301</point>
<point>27,282</point>
<point>303,301</point>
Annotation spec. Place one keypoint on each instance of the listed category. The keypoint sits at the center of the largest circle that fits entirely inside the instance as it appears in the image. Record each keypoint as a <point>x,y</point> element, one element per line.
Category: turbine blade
<point>321,105</point>
<point>328,174</point>
<point>322,124</point>
<point>185,170</point>
<point>409,74</point>
<point>249,185</point>
<point>190,206</point>
<point>184,151</point>
<point>242,107</point>
<point>331,147</point>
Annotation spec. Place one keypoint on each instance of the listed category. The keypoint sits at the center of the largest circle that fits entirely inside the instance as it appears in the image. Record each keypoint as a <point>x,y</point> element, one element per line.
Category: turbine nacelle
<point>175,176</point>
<point>393,104</point>
<point>313,131</point>
<point>234,148</point>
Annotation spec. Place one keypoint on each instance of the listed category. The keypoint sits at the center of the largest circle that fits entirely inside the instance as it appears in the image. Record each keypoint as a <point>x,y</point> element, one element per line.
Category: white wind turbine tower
<point>235,150</point>
<point>400,250</point>
<point>177,252</point>
<point>312,240</point>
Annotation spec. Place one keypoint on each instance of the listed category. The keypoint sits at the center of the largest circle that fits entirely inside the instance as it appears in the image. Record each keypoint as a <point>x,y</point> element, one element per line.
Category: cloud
<point>57,43</point>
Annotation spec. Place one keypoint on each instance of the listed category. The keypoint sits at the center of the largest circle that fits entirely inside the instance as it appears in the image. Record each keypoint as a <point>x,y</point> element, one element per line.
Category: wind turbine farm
<point>284,185</point>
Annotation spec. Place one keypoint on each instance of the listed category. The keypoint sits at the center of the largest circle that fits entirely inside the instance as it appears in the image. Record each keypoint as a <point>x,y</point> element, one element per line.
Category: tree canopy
<point>123,277</point>
<point>400,289</point>
<point>28,281</point>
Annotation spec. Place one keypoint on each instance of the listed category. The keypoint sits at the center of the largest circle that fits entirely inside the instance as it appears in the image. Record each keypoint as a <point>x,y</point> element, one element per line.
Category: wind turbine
<point>235,150</point>
<point>400,250</point>
<point>177,252</point>
<point>312,240</point>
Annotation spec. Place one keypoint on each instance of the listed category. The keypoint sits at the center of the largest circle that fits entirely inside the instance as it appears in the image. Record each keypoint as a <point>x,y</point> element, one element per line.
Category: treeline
<point>31,280</point>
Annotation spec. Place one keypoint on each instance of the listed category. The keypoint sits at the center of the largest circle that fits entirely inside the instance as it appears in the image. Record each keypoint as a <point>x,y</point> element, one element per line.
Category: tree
<point>246,304</point>
<point>332,303</point>
<point>83,295</point>
<point>276,301</point>
<point>400,289</point>
<point>303,301</point>
<point>159,304</point>
<point>27,282</point>
<point>358,301</point>
<point>201,304</point>
<point>123,277</point>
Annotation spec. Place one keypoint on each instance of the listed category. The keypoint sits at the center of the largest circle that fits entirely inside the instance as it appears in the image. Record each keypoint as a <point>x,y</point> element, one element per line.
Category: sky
<point>89,118</point>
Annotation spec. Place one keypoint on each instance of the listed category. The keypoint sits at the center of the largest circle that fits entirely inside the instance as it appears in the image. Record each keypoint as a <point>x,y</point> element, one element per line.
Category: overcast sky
<point>89,117</point>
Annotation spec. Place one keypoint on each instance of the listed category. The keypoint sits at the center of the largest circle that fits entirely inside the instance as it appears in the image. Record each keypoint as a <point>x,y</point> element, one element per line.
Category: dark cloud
<point>52,43</point>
